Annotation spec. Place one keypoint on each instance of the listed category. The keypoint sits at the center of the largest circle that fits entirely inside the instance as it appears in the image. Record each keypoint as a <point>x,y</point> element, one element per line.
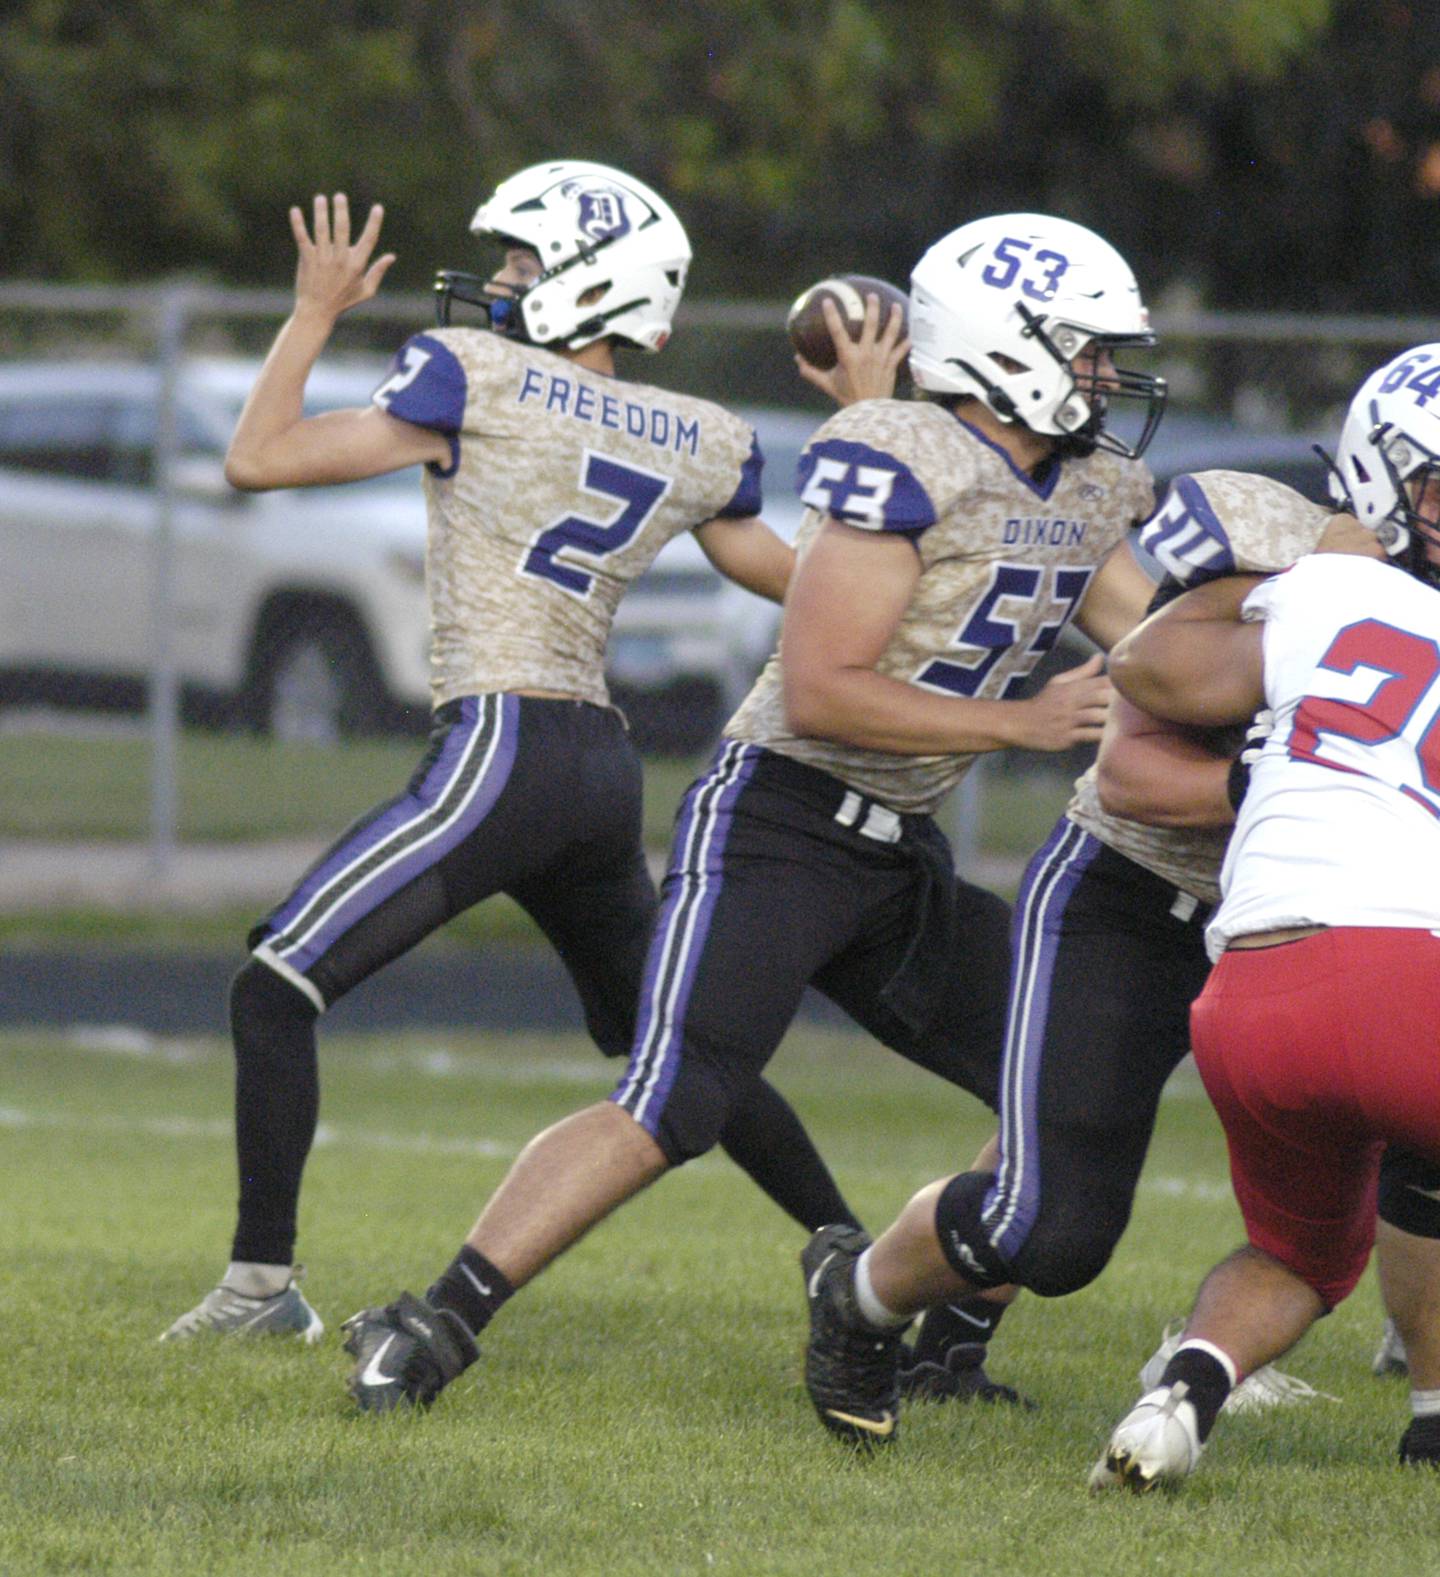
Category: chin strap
<point>995,397</point>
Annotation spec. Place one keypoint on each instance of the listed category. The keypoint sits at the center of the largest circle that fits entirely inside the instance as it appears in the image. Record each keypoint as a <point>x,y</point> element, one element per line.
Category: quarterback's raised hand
<point>1070,710</point>
<point>275,444</point>
<point>332,274</point>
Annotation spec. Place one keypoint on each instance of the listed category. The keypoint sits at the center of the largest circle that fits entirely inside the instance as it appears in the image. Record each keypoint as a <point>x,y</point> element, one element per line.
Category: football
<point>806,325</point>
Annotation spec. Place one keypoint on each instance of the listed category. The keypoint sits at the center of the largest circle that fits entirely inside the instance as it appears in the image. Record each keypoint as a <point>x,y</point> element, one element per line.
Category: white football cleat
<point>1391,1358</point>
<point>225,1312</point>
<point>1267,1387</point>
<point>1157,1442</point>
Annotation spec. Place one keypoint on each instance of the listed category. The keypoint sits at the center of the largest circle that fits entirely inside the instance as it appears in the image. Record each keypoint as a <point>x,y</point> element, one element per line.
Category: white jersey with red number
<point>1341,822</point>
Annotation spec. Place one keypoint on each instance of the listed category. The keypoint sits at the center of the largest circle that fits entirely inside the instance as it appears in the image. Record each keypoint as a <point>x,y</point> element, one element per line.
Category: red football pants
<point>1317,1053</point>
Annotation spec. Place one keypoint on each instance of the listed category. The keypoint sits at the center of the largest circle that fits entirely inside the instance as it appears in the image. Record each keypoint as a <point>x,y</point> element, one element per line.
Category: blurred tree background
<point>1259,153</point>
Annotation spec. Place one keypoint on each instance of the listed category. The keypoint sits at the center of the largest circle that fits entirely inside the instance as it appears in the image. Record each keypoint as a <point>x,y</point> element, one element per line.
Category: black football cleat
<point>405,1354</point>
<point>961,1378</point>
<point>851,1369</point>
<point>1420,1444</point>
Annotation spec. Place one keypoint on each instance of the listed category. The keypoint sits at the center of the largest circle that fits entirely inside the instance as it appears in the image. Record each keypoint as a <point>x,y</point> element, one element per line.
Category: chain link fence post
<point>172,314</point>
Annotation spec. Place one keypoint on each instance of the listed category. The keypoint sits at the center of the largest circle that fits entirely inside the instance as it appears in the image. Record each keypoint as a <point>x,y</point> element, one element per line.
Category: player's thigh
<point>736,947</point>
<point>723,979</point>
<point>1410,1192</point>
<point>600,923</point>
<point>961,1030</point>
<point>1104,975</point>
<point>390,878</point>
<point>1304,1159</point>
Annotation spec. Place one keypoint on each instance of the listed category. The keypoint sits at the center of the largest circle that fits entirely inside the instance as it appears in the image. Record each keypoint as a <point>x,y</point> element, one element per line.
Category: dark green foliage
<point>797,136</point>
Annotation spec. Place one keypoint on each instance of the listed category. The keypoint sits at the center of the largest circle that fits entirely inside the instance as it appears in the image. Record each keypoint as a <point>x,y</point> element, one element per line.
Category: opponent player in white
<point>1318,1033</point>
<point>550,485</point>
<point>949,542</point>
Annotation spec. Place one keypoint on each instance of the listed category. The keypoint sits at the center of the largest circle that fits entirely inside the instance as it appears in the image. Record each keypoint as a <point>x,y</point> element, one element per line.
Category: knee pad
<point>963,1238</point>
<point>1059,1255</point>
<point>1406,1183</point>
<point>1054,1265</point>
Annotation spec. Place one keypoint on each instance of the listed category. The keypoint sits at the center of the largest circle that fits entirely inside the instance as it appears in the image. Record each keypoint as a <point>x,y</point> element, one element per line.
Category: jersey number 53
<point>991,633</point>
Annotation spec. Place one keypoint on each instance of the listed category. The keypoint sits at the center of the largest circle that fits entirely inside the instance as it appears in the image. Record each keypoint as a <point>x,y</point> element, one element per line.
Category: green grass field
<point>639,1408</point>
<point>233,788</point>
<point>230,788</point>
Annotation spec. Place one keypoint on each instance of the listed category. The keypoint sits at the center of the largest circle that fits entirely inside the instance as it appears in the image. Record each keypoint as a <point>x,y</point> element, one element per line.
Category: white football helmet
<point>1391,438</point>
<point>1001,307</point>
<point>591,226</point>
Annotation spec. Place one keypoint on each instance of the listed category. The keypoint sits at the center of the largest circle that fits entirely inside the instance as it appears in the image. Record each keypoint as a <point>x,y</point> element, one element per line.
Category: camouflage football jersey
<point>1211,524</point>
<point>563,485</point>
<point>1005,561</point>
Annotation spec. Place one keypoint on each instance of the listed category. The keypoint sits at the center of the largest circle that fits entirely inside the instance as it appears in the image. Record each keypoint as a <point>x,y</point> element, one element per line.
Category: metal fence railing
<point>144,513</point>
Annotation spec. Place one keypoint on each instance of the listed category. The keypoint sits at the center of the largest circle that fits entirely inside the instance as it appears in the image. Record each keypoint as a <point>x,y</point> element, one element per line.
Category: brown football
<point>809,333</point>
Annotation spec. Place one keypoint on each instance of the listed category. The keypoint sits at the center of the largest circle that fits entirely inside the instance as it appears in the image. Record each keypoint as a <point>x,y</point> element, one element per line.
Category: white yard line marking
<point>216,1128</point>
<point>328,1134</point>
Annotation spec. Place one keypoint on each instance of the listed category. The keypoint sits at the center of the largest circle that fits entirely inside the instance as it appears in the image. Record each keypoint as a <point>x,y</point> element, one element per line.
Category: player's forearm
<point>767,572</point>
<point>1200,672</point>
<point>857,706</point>
<point>749,553</point>
<point>260,454</point>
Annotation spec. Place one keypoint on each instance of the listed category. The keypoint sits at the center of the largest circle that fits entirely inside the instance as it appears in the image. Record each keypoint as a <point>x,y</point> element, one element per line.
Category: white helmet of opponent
<point>591,226</point>
<point>1001,307</point>
<point>1391,437</point>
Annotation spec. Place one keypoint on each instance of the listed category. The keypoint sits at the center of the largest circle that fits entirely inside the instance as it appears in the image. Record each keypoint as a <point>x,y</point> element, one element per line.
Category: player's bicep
<point>378,442</point>
<point>1117,598</point>
<point>846,598</point>
<point>335,446</point>
<point>350,445</point>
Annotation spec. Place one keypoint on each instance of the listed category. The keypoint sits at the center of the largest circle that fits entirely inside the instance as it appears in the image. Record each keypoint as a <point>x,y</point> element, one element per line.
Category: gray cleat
<point>1391,1357</point>
<point>225,1312</point>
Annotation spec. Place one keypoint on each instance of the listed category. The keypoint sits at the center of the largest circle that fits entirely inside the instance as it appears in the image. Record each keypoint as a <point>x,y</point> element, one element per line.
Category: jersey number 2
<point>638,492</point>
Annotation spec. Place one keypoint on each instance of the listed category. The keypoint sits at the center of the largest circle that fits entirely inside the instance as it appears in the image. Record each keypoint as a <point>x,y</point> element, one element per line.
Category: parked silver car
<point>299,613</point>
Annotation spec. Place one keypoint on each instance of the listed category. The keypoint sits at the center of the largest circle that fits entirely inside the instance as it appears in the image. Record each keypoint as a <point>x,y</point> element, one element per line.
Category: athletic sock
<point>867,1301</point>
<point>966,1323</point>
<point>1210,1375</point>
<point>471,1289</point>
<point>252,1280</point>
<point>1424,1404</point>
